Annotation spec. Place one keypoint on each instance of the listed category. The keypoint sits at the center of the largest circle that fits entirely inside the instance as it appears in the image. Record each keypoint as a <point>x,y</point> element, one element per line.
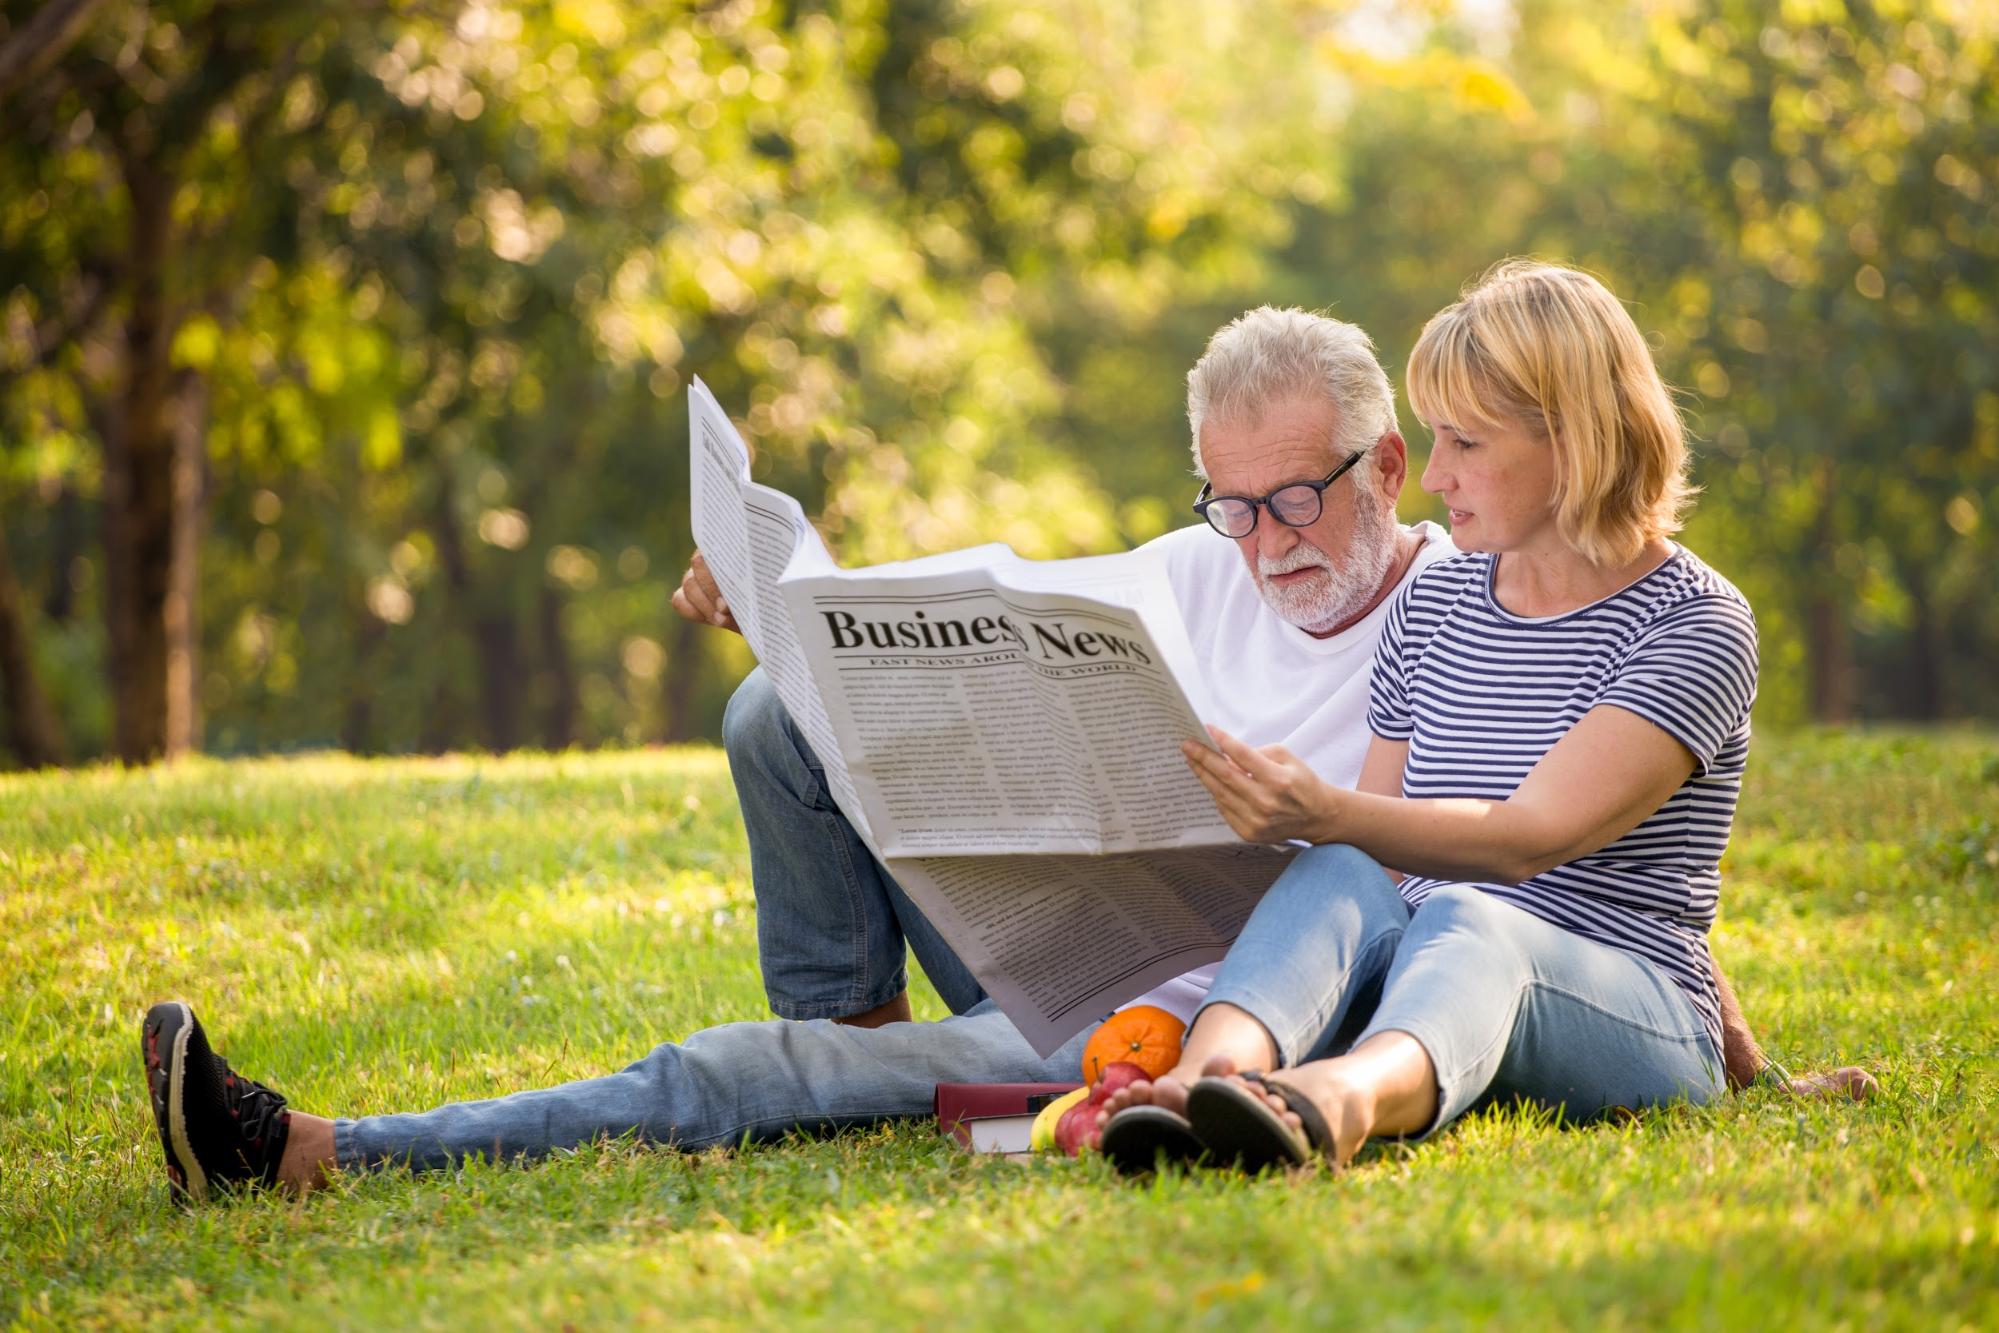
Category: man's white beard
<point>1318,605</point>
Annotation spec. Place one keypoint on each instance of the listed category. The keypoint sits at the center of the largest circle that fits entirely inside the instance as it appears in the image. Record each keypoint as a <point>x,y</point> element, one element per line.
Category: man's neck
<point>1407,543</point>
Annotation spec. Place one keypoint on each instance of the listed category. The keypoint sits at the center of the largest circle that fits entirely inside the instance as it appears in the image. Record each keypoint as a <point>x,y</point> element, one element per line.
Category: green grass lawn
<point>374,936</point>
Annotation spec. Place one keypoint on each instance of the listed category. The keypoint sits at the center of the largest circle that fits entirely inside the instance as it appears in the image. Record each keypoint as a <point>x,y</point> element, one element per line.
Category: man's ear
<point>1392,461</point>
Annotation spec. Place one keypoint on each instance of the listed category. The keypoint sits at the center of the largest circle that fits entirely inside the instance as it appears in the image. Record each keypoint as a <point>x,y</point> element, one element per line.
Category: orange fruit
<point>1144,1035</point>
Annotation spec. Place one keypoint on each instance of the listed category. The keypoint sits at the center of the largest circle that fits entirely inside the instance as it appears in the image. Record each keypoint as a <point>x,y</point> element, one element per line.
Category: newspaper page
<point>1004,734</point>
<point>752,536</point>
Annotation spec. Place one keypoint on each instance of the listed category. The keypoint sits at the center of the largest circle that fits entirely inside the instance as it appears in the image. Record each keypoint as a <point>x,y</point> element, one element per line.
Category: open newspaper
<point>1005,735</point>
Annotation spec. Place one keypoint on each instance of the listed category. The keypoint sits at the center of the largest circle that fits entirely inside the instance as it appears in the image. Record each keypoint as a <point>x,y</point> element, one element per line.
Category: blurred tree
<point>1801,205</point>
<point>436,275</point>
<point>1844,161</point>
<point>31,728</point>
<point>386,311</point>
<point>1802,202</point>
<point>31,47</point>
<point>143,152</point>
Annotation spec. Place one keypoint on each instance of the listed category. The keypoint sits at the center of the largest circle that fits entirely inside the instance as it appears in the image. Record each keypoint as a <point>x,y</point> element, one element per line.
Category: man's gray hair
<point>1268,354</point>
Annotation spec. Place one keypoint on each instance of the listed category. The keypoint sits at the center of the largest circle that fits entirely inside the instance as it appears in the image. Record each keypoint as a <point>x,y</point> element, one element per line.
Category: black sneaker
<point>219,1129</point>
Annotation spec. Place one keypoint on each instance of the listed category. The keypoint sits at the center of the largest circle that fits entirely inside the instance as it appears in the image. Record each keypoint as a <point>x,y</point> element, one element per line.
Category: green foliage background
<point>442,271</point>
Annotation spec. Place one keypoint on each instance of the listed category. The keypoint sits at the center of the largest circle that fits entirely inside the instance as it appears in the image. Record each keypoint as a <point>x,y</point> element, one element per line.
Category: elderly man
<point>1294,427</point>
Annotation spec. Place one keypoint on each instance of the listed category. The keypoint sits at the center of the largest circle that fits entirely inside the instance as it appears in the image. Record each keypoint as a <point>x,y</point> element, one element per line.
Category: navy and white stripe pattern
<point>1481,695</point>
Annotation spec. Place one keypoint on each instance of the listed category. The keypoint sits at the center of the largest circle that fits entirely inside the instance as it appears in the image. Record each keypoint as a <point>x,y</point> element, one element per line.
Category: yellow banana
<point>1041,1137</point>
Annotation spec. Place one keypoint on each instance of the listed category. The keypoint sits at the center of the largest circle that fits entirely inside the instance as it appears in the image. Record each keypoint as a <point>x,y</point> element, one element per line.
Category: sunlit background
<point>343,346</point>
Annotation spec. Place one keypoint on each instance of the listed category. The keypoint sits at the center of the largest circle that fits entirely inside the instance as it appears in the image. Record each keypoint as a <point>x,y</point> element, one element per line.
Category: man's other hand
<point>699,598</point>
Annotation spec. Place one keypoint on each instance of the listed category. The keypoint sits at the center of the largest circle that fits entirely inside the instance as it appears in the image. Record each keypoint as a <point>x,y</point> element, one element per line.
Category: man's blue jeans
<point>831,922</point>
<point>723,1085</point>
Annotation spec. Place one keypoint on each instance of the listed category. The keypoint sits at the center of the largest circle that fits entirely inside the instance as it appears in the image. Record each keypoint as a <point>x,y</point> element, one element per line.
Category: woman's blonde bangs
<point>1450,378</point>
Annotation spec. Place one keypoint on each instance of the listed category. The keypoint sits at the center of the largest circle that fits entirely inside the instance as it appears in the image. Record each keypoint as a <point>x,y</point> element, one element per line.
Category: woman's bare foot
<point>1220,1032</point>
<point>1168,1091</point>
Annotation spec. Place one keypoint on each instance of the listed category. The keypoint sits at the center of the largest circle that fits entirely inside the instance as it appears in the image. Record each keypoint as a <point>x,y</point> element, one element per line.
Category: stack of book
<point>994,1117</point>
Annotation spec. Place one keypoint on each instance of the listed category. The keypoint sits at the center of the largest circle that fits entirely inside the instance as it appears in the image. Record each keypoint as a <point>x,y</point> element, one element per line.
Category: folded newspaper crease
<point>1005,734</point>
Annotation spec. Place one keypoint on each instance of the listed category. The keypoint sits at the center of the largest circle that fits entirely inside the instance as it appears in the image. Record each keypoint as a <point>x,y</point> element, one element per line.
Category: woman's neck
<point>1554,582</point>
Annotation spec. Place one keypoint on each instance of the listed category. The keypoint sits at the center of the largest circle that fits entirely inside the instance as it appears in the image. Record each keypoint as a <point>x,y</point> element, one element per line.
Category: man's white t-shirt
<point>1271,683</point>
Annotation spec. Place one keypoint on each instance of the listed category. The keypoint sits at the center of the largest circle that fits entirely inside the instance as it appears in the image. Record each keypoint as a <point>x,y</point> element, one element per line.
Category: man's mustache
<point>1297,558</point>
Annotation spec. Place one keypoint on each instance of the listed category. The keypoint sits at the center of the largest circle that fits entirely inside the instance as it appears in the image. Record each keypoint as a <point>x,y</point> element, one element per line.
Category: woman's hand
<point>1267,794</point>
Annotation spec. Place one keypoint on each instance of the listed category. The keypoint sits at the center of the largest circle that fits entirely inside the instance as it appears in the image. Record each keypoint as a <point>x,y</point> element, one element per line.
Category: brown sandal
<point>1238,1125</point>
<point>1139,1139</point>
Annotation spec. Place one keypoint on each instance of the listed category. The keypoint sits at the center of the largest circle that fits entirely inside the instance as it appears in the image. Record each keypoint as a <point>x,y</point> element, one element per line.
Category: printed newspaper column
<point>1060,941</point>
<point>721,468</point>
<point>750,536</point>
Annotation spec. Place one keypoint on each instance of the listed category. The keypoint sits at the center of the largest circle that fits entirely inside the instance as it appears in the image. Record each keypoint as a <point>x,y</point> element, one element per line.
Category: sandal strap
<point>1317,1132</point>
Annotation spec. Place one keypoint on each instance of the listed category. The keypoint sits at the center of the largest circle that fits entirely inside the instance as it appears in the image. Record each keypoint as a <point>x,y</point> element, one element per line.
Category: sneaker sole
<point>190,1166</point>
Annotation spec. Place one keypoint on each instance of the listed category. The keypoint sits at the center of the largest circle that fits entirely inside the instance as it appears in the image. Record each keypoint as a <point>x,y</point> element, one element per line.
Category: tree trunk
<point>32,729</point>
<point>1829,649</point>
<point>440,729</point>
<point>495,640</point>
<point>678,681</point>
<point>357,722</point>
<point>558,711</point>
<point>139,528</point>
<point>66,545</point>
<point>182,612</point>
<point>1927,650</point>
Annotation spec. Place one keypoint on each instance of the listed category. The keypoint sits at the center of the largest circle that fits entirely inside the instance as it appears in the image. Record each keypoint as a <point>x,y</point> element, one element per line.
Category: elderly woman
<point>1560,720</point>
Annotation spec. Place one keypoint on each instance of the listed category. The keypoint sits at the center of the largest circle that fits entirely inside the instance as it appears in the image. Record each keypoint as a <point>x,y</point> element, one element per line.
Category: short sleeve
<point>1693,675</point>
<point>1388,689</point>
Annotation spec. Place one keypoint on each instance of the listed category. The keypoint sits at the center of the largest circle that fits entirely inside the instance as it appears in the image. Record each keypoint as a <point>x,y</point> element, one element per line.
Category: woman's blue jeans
<point>1506,1005</point>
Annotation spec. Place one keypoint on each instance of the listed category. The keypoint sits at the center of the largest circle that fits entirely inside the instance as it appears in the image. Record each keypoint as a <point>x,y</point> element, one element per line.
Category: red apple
<point>1122,1074</point>
<point>1077,1129</point>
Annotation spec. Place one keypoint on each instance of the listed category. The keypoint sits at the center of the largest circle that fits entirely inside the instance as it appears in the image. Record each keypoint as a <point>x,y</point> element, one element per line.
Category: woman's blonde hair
<point>1550,349</point>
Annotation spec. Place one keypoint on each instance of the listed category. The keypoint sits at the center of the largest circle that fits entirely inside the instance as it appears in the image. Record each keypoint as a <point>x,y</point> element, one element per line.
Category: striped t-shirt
<point>1481,694</point>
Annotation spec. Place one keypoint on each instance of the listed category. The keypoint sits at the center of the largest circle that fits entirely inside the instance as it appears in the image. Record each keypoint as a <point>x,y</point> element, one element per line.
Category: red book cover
<point>960,1102</point>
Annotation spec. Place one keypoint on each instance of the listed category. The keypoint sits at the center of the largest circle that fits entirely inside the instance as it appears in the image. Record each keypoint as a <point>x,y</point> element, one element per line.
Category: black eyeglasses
<point>1297,505</point>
